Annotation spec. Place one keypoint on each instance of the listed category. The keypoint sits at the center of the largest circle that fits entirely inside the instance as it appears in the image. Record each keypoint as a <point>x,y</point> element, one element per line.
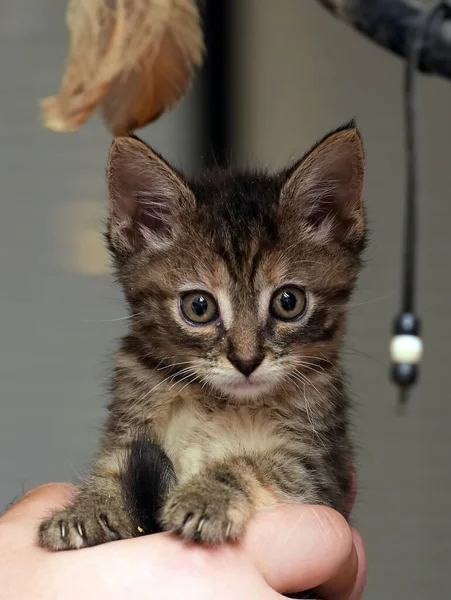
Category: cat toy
<point>422,37</point>
<point>406,348</point>
<point>132,59</point>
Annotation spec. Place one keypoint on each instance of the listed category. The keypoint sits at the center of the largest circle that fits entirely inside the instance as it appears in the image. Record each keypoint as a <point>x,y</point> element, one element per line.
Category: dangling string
<point>406,347</point>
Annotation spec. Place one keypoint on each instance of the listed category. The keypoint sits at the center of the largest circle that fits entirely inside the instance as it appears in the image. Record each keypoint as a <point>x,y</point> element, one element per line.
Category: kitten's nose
<point>246,365</point>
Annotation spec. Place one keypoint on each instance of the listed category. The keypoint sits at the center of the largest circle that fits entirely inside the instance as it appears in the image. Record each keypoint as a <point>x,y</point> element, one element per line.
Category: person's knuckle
<point>335,528</point>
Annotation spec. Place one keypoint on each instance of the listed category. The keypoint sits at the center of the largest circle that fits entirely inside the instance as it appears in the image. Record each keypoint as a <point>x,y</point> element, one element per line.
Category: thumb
<point>301,547</point>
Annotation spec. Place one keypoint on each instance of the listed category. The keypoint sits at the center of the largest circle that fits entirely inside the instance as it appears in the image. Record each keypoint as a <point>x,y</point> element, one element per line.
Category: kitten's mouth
<point>246,384</point>
<point>248,388</point>
<point>237,386</point>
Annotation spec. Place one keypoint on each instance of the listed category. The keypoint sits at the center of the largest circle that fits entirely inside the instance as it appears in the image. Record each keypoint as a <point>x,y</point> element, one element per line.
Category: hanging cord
<point>406,347</point>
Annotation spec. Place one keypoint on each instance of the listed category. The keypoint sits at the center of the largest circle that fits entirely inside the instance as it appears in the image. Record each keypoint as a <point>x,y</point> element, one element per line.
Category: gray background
<point>300,73</point>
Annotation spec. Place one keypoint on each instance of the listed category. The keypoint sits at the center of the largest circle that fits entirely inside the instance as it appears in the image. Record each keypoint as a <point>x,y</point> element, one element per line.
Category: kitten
<point>228,391</point>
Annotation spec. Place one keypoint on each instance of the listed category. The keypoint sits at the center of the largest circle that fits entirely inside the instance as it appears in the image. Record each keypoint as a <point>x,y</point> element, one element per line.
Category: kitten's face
<point>238,283</point>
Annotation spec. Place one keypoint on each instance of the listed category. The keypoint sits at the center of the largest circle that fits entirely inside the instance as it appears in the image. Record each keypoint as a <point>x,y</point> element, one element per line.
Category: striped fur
<point>235,443</point>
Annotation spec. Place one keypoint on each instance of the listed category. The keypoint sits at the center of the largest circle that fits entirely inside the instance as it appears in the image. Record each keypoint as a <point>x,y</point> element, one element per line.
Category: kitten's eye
<point>288,303</point>
<point>198,308</point>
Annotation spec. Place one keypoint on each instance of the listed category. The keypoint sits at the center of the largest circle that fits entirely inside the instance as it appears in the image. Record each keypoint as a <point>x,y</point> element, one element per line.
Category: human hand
<point>285,550</point>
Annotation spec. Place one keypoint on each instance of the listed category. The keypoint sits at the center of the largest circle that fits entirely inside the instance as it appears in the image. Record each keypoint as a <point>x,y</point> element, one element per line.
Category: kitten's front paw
<point>206,511</point>
<point>80,526</point>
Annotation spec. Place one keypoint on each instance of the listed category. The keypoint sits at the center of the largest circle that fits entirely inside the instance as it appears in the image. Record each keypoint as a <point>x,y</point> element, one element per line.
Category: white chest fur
<point>193,439</point>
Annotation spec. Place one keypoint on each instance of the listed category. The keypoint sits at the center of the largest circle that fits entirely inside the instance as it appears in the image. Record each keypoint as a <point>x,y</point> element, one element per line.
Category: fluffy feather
<point>132,58</point>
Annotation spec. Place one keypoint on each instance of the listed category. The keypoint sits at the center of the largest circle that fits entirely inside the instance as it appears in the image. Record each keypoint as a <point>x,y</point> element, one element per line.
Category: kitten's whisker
<point>307,380</point>
<point>304,380</point>
<point>168,378</point>
<point>330,383</point>
<point>309,418</point>
<point>190,374</point>
<point>126,318</point>
<point>373,301</point>
<point>182,371</point>
<point>296,359</point>
<point>190,382</point>
<point>311,369</point>
<point>207,384</point>
<point>355,351</point>
<point>298,377</point>
<point>154,388</point>
<point>163,359</point>
<point>315,368</point>
<point>177,364</point>
<point>311,366</point>
<point>322,358</point>
<point>293,381</point>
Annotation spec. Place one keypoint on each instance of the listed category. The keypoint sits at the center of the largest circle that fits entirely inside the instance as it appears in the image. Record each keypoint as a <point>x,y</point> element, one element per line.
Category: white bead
<point>406,349</point>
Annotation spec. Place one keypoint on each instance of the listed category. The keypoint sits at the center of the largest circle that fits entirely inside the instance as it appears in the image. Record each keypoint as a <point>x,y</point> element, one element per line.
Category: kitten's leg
<point>215,505</point>
<point>98,513</point>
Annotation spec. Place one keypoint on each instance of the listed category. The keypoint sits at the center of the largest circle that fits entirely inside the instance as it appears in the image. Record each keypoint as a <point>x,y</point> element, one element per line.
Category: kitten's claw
<point>80,530</point>
<point>229,529</point>
<point>206,512</point>
<point>199,526</point>
<point>80,526</point>
<point>63,529</point>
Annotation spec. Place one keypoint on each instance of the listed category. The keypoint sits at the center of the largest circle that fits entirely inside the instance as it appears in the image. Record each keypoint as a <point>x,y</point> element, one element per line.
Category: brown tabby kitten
<point>237,286</point>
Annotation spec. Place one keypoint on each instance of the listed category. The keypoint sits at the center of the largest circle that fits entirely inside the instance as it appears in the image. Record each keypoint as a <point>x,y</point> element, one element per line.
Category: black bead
<point>404,374</point>
<point>407,324</point>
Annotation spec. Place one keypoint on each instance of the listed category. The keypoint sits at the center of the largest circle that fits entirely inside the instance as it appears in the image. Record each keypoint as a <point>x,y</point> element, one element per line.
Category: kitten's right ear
<point>146,196</point>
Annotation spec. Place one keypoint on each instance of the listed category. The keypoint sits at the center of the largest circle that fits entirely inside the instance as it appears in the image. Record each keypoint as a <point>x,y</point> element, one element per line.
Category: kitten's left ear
<point>324,189</point>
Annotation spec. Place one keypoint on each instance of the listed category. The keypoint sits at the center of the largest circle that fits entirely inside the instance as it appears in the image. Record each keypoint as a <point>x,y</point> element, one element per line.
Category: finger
<point>361,575</point>
<point>301,547</point>
<point>34,506</point>
<point>221,572</point>
<point>349,582</point>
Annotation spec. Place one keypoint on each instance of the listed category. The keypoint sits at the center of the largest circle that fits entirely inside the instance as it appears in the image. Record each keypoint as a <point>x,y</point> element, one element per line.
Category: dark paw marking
<point>209,514</point>
<point>79,527</point>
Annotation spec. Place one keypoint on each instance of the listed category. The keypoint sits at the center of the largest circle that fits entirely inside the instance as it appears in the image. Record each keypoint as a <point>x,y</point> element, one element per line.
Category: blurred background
<point>280,75</point>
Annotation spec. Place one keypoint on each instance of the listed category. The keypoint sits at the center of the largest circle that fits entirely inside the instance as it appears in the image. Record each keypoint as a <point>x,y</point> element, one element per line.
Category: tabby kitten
<point>230,376</point>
